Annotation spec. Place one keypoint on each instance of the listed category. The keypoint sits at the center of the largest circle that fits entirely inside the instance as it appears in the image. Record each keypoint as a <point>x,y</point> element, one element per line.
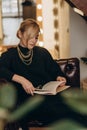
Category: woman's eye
<point>36,38</point>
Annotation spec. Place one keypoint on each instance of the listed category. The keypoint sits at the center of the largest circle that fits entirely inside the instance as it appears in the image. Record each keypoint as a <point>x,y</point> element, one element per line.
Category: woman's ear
<point>19,34</point>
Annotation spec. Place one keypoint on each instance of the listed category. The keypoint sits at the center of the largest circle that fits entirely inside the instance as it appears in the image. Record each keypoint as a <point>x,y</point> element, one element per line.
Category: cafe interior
<point>63,27</point>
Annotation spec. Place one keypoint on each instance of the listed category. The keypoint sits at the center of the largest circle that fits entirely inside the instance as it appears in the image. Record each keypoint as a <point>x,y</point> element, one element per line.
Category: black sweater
<point>42,69</point>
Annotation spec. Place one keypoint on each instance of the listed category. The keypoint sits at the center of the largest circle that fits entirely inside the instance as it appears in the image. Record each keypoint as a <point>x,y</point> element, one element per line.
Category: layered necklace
<point>26,58</point>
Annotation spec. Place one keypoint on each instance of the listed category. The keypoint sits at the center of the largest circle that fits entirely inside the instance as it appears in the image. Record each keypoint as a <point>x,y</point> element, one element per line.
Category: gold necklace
<point>26,59</point>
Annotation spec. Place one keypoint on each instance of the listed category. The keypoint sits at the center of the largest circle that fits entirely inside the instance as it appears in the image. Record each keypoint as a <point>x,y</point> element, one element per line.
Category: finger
<point>31,91</point>
<point>63,84</point>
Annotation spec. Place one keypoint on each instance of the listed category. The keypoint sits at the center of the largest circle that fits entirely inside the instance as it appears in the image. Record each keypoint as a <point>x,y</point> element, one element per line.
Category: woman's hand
<point>60,78</point>
<point>26,84</point>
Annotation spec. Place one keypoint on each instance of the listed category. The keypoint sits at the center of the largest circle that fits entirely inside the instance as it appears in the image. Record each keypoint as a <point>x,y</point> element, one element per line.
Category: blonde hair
<point>31,25</point>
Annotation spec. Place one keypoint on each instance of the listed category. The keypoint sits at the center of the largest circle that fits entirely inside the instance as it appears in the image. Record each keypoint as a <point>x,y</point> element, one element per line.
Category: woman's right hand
<point>26,84</point>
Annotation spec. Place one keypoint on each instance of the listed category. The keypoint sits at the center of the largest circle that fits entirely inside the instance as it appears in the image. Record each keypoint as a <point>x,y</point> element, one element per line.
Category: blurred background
<point>13,12</point>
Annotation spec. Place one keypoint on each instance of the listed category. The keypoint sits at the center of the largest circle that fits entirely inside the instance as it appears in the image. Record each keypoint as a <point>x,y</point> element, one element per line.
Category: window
<point>11,8</point>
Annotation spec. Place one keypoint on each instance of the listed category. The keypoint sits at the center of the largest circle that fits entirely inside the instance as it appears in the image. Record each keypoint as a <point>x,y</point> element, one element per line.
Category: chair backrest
<point>71,69</point>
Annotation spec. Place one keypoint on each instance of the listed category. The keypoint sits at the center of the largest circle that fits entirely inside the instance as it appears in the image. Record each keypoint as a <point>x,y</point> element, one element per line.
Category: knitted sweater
<point>42,69</point>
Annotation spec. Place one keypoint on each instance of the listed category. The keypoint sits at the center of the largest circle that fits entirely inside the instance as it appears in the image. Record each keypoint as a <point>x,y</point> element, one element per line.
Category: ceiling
<point>80,5</point>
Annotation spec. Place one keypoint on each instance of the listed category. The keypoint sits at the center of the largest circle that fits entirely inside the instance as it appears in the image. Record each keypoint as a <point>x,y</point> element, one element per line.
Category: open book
<point>51,88</point>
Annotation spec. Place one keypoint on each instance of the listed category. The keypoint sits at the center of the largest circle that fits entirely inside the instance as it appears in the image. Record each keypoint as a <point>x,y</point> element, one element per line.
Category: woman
<point>28,65</point>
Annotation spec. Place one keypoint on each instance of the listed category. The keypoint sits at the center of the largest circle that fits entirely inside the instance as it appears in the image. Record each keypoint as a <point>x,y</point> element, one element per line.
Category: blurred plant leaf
<point>76,99</point>
<point>7,96</point>
<point>28,106</point>
<point>66,125</point>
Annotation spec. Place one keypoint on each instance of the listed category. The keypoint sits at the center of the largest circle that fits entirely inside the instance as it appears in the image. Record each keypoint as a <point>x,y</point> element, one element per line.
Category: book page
<point>59,89</point>
<point>43,92</point>
<point>52,86</point>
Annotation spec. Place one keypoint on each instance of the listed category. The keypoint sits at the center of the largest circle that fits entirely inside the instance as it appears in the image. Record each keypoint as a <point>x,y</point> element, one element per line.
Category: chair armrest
<point>71,69</point>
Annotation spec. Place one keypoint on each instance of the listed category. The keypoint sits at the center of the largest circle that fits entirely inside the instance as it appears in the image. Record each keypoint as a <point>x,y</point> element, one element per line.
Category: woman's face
<point>27,41</point>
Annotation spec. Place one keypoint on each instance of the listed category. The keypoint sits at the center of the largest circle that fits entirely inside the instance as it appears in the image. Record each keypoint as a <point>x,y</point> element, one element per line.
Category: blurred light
<point>41,43</point>
<point>41,30</point>
<point>39,18</point>
<point>2,49</point>
<point>78,11</point>
<point>39,6</point>
<point>40,21</point>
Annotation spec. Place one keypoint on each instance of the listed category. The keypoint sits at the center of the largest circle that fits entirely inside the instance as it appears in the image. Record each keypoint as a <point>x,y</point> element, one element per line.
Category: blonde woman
<point>28,65</point>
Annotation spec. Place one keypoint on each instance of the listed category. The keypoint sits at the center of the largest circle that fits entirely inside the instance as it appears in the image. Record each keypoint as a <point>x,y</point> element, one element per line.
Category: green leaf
<point>66,125</point>
<point>76,99</point>
<point>28,106</point>
<point>7,96</point>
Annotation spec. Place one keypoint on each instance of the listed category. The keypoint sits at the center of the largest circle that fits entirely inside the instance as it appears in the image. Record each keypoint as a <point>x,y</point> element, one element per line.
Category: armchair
<point>71,69</point>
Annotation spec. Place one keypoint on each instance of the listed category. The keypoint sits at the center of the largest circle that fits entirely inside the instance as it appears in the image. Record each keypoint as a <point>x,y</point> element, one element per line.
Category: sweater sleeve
<point>52,66</point>
<point>5,63</point>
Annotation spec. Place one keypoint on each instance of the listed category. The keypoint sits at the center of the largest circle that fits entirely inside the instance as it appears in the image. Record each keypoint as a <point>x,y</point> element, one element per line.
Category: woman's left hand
<point>60,78</point>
